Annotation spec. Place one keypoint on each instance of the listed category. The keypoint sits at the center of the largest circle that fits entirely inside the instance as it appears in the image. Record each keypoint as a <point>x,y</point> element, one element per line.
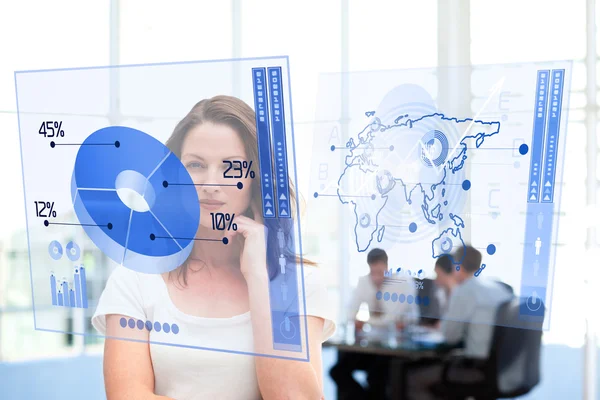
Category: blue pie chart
<point>55,250</point>
<point>124,207</point>
<point>73,251</point>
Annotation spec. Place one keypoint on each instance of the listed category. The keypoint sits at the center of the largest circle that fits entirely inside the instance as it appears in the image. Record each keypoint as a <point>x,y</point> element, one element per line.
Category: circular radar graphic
<point>55,250</point>
<point>126,210</point>
<point>73,251</point>
<point>434,147</point>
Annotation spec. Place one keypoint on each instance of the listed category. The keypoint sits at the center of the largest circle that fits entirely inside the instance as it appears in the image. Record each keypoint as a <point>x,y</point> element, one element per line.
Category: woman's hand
<point>252,235</point>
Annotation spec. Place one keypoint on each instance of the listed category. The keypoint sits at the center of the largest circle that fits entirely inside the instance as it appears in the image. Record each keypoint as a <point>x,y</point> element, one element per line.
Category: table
<point>401,353</point>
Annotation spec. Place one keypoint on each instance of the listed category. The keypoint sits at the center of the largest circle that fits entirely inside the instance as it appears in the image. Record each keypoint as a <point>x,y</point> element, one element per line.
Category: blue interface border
<point>298,228</point>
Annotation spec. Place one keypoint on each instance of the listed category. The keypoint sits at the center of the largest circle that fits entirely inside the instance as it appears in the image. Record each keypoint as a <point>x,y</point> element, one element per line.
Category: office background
<point>319,36</point>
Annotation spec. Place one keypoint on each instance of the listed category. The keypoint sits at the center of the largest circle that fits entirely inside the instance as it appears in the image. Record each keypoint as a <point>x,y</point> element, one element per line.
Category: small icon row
<point>166,328</point>
<point>55,250</point>
<point>401,298</point>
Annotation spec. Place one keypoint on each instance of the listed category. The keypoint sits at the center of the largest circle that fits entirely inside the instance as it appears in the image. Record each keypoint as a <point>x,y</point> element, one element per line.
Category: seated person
<point>382,312</point>
<point>469,319</point>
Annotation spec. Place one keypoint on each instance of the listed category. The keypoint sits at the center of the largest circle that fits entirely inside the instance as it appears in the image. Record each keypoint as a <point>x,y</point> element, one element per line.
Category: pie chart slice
<point>136,151</point>
<point>171,200</point>
<point>119,198</point>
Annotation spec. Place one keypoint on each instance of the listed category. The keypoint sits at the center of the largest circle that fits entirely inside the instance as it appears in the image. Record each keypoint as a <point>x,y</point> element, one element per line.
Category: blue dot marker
<point>131,323</point>
<point>166,328</point>
<point>123,322</point>
<point>386,296</point>
<point>157,326</point>
<point>332,147</point>
<point>466,185</point>
<point>412,227</point>
<point>175,329</point>
<point>523,149</point>
<point>379,295</point>
<point>316,195</point>
<point>140,324</point>
<point>491,249</point>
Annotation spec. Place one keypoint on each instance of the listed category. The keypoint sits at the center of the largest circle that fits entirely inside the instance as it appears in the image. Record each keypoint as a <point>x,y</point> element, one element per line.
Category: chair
<point>507,286</point>
<point>513,367</point>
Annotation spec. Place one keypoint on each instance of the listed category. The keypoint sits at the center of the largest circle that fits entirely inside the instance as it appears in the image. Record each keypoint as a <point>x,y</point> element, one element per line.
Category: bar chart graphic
<point>70,294</point>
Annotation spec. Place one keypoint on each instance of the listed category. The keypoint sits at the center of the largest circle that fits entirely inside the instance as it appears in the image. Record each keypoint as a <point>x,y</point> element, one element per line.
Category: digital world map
<point>430,197</point>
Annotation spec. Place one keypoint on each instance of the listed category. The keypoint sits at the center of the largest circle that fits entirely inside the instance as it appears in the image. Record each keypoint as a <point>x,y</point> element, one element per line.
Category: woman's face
<point>210,152</point>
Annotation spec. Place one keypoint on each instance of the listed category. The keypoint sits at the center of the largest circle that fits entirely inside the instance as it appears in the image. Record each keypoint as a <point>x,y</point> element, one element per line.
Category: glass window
<point>60,34</point>
<point>540,30</point>
<point>386,34</point>
<point>158,31</point>
<point>57,34</point>
<point>537,33</point>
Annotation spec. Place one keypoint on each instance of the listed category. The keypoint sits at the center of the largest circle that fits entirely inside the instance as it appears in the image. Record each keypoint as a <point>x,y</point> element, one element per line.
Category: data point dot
<point>412,227</point>
<point>225,240</point>
<point>491,249</point>
<point>316,195</point>
<point>46,223</point>
<point>240,185</point>
<point>152,236</point>
<point>109,226</point>
<point>373,197</point>
<point>466,185</point>
<point>52,144</point>
<point>117,144</point>
<point>332,147</point>
<point>523,149</point>
<point>165,184</point>
<point>392,148</point>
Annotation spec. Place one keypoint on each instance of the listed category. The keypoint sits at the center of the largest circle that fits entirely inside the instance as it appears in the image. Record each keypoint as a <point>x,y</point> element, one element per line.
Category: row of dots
<point>149,326</point>
<point>402,298</point>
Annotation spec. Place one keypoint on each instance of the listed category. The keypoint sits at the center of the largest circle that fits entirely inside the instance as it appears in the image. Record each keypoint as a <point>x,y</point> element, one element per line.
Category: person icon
<point>538,246</point>
<point>281,238</point>
<point>536,267</point>
<point>282,263</point>
<point>284,290</point>
<point>540,220</point>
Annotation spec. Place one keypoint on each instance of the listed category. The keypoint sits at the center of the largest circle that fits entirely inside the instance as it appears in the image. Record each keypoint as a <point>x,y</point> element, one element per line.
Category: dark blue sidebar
<point>284,289</point>
<point>279,144</point>
<point>259,78</point>
<point>537,142</point>
<point>537,246</point>
<point>549,175</point>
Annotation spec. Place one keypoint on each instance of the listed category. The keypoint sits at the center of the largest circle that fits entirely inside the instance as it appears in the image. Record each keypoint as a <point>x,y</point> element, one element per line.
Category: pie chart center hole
<point>135,191</point>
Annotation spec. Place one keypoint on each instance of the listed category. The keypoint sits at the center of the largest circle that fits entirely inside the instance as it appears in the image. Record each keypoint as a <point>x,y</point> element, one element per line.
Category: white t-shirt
<point>181,371</point>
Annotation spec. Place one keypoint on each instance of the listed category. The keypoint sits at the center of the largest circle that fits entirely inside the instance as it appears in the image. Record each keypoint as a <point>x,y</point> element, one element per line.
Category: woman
<point>219,297</point>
